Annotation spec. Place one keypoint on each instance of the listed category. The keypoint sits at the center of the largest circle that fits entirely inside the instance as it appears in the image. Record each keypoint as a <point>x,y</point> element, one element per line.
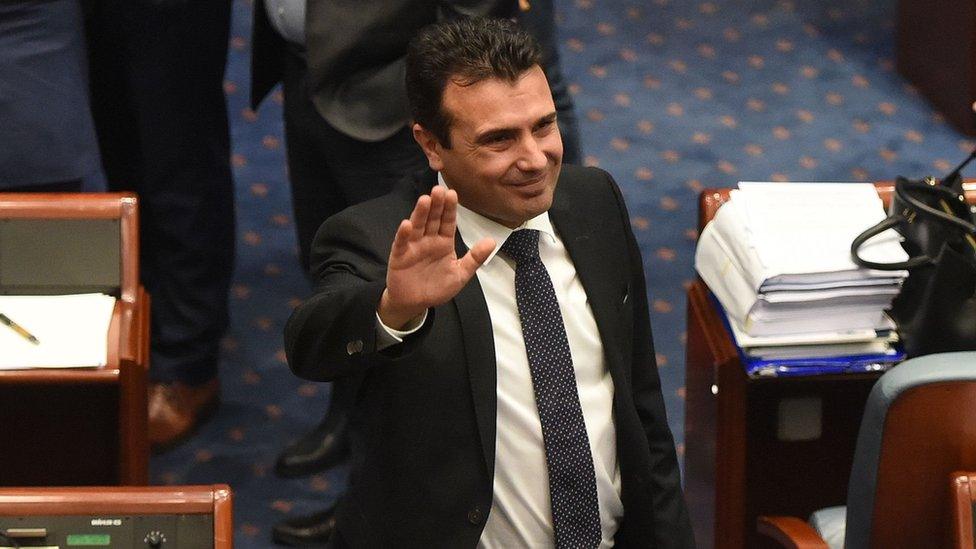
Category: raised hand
<point>424,271</point>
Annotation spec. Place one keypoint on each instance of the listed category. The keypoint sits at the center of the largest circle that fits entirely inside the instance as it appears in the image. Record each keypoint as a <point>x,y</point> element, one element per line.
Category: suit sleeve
<point>333,333</point>
<point>671,521</point>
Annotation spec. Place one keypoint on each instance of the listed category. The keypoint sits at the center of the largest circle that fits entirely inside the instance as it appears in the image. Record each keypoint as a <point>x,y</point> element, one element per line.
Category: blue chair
<point>919,426</point>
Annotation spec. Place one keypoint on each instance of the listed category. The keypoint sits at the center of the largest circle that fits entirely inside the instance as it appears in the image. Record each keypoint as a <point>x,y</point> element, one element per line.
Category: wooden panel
<point>223,517</point>
<point>65,434</point>
<point>88,425</point>
<point>962,490</point>
<point>700,424</point>
<point>122,206</point>
<point>912,503</point>
<point>216,500</point>
<point>108,499</point>
<point>736,468</point>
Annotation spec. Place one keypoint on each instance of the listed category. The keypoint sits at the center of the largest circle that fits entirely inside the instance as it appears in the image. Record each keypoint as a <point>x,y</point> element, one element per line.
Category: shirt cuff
<point>388,337</point>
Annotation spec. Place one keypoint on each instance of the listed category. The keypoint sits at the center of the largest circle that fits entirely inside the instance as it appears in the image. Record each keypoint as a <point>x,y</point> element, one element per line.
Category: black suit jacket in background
<point>355,53</point>
<point>424,422</point>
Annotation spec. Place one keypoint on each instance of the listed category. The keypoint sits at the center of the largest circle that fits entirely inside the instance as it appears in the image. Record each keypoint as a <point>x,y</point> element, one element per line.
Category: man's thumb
<point>477,255</point>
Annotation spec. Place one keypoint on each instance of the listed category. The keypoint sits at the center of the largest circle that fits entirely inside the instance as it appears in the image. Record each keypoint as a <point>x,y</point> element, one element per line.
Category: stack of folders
<point>777,258</point>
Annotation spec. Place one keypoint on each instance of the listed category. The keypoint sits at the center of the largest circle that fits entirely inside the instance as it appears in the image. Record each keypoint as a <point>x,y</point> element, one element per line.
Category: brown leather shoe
<point>176,410</point>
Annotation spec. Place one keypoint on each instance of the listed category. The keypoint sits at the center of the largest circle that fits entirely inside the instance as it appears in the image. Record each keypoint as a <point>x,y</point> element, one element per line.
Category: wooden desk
<point>736,466</point>
<point>188,516</point>
<point>69,427</point>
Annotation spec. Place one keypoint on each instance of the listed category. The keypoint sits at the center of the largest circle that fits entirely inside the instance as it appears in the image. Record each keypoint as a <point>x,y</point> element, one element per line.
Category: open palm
<point>424,270</point>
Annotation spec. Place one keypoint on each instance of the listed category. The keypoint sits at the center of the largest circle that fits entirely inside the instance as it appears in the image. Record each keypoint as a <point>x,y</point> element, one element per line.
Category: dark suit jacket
<point>424,421</point>
<point>355,57</point>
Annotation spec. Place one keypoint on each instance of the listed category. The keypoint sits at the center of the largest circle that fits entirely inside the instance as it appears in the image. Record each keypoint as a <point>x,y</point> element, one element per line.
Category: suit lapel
<point>479,346</point>
<point>479,349</point>
<point>584,241</point>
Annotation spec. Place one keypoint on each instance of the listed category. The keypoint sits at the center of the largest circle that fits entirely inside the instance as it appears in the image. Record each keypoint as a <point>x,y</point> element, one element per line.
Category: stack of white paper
<point>777,257</point>
<point>72,331</point>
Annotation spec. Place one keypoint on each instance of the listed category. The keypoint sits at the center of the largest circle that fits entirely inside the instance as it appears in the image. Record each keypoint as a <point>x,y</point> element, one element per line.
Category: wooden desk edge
<point>128,329</point>
<point>83,500</point>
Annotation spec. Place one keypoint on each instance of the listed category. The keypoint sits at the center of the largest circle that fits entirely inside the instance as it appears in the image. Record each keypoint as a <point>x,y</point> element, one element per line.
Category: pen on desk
<point>17,328</point>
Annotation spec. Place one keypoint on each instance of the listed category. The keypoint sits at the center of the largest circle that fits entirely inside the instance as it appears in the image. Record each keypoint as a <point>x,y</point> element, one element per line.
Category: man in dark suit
<point>348,141</point>
<point>510,395</point>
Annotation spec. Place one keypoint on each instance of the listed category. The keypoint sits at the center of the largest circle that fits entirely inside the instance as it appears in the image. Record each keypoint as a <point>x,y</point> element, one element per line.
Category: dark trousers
<point>330,171</point>
<point>157,72</point>
<point>74,186</point>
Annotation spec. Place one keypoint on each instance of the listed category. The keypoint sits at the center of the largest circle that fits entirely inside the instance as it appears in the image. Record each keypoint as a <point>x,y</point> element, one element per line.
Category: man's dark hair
<point>464,51</point>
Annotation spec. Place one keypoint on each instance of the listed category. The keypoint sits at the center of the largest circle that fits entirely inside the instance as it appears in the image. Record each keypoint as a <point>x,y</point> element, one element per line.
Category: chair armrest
<point>790,532</point>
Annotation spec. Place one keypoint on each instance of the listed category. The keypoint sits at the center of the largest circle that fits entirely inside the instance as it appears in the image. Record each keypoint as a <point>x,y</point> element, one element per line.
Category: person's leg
<point>157,76</point>
<point>58,187</point>
<point>330,171</point>
<point>315,195</point>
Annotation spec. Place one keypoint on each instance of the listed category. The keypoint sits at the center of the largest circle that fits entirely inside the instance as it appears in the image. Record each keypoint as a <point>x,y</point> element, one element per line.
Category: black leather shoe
<point>321,448</point>
<point>314,529</point>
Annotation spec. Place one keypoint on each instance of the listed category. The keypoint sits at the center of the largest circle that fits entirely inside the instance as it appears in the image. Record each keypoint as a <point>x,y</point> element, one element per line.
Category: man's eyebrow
<point>547,119</point>
<point>493,133</point>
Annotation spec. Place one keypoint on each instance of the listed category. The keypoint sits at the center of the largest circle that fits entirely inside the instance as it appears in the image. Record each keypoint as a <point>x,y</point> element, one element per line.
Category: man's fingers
<point>402,239</point>
<point>476,256</point>
<point>436,210</point>
<point>449,217</point>
<point>418,219</point>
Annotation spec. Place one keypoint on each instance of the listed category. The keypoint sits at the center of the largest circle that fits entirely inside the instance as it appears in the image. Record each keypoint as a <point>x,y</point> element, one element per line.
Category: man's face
<point>505,150</point>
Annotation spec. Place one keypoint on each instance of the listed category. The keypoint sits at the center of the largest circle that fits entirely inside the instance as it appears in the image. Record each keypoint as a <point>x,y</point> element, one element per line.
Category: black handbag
<point>936,308</point>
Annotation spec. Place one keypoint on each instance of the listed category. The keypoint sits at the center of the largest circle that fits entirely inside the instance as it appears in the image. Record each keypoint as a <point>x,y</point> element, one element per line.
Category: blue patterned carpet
<point>673,96</point>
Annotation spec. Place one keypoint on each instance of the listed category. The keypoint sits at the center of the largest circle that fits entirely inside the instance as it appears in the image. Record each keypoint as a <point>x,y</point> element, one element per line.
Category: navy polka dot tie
<point>572,482</point>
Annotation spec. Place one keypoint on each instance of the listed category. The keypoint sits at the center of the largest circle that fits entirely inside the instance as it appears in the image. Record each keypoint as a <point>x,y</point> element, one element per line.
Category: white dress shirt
<point>521,515</point>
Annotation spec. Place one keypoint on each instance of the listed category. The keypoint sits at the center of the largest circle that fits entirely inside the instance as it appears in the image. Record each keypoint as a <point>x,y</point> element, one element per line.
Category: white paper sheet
<point>801,228</point>
<point>72,331</point>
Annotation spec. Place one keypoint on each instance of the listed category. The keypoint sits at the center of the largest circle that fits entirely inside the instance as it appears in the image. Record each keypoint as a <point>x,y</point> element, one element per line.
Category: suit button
<point>475,515</point>
<point>354,347</point>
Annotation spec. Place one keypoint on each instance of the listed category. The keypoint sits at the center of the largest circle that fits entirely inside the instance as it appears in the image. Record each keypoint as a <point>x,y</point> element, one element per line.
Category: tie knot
<point>522,245</point>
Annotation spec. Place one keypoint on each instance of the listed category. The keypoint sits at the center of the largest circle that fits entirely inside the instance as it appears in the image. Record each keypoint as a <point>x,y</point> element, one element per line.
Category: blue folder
<point>848,364</point>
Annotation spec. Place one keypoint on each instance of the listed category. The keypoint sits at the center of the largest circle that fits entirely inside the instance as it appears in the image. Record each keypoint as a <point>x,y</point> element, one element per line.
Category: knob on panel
<point>154,538</point>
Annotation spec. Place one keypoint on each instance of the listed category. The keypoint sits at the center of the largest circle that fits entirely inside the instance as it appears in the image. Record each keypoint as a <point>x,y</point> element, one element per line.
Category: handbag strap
<point>880,227</point>
<point>901,189</point>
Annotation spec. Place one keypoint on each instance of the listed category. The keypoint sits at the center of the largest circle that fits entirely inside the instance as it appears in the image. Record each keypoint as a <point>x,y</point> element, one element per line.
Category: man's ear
<point>430,145</point>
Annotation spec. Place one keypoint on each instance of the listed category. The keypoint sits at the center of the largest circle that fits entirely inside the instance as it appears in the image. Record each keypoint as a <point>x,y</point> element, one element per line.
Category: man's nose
<point>532,156</point>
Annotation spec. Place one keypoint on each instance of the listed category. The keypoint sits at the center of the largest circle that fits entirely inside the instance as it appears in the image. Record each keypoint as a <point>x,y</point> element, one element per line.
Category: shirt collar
<point>474,226</point>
